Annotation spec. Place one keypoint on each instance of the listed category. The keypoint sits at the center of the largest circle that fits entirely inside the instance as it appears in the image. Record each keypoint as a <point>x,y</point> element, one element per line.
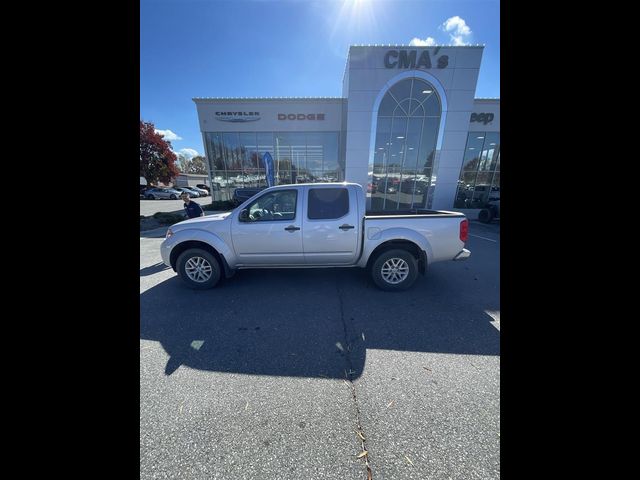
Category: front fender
<point>197,235</point>
<point>375,236</point>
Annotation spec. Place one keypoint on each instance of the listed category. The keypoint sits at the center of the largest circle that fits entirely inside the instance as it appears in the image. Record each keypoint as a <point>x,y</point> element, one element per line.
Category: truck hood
<point>201,222</point>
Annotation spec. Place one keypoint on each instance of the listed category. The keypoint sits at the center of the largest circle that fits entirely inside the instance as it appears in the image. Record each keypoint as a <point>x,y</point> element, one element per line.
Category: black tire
<point>150,197</point>
<point>384,281</point>
<point>207,259</point>
<point>485,215</point>
<point>173,197</point>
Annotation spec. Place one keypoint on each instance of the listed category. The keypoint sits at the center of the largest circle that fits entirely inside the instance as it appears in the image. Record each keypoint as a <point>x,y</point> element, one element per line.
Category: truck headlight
<point>169,234</point>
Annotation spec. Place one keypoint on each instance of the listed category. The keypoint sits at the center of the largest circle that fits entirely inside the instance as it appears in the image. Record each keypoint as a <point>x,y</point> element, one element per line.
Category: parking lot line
<point>484,238</point>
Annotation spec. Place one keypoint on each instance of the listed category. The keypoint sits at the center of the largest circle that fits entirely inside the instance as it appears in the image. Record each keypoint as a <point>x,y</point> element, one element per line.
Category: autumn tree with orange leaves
<point>157,161</point>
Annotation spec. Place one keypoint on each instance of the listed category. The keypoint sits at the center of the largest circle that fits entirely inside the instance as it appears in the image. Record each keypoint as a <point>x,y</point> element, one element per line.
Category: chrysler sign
<point>237,117</point>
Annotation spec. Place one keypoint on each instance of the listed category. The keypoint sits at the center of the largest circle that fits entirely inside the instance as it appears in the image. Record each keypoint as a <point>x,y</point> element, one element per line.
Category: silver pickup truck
<point>312,226</point>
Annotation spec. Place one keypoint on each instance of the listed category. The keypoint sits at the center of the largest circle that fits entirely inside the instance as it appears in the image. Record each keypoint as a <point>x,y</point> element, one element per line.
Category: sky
<point>286,48</point>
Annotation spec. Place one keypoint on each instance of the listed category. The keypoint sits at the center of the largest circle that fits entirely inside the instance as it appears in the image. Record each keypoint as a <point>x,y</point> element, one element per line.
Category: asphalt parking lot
<point>249,380</point>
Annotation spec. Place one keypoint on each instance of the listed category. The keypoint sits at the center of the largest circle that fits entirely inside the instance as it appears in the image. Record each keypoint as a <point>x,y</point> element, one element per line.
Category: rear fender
<point>375,237</point>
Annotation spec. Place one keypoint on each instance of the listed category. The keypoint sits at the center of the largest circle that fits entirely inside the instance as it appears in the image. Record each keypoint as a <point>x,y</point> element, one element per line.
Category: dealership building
<point>408,128</point>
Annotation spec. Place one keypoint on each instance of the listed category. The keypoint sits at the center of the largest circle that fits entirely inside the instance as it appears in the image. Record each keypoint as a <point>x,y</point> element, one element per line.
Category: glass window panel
<point>232,150</point>
<point>295,143</point>
<point>498,162</point>
<point>412,144</point>
<point>401,166</point>
<point>331,154</point>
<point>315,151</point>
<point>428,143</point>
<point>328,203</point>
<point>381,146</point>
<point>401,90</point>
<point>495,186</point>
<point>283,158</point>
<point>422,90</point>
<point>316,176</point>
<point>216,149</point>
<point>403,108</point>
<point>416,109</point>
<point>387,106</point>
<point>397,145</point>
<point>475,141</point>
<point>249,157</point>
<point>465,189</point>
<point>482,189</point>
<point>492,148</point>
<point>432,106</point>
<point>273,206</point>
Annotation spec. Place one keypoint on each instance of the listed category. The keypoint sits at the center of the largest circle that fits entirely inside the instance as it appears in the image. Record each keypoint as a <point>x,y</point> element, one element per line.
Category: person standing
<point>192,209</point>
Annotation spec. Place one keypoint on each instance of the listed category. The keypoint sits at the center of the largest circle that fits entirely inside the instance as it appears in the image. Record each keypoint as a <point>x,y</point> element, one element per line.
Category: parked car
<point>314,226</point>
<point>201,191</point>
<point>192,193</point>
<point>388,185</point>
<point>410,186</point>
<point>161,193</point>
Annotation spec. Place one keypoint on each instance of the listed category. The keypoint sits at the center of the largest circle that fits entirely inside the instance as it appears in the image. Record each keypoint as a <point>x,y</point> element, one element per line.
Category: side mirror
<point>244,215</point>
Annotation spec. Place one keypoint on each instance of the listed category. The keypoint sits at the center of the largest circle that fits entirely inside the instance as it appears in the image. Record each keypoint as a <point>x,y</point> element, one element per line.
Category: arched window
<point>405,145</point>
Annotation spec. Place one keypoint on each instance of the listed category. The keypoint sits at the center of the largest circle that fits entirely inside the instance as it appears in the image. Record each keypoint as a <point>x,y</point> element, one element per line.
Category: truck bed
<point>410,213</point>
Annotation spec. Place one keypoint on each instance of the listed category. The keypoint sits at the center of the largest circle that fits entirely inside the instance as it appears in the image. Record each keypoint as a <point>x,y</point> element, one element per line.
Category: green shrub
<point>168,218</point>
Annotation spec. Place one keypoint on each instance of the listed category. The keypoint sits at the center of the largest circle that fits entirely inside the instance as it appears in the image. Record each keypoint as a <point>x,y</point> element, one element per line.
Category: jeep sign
<point>482,117</point>
<point>407,59</point>
<point>301,116</point>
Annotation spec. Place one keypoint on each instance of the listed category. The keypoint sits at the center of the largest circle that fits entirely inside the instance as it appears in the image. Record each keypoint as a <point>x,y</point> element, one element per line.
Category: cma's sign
<point>301,116</point>
<point>410,59</point>
<point>482,117</point>
<point>237,117</point>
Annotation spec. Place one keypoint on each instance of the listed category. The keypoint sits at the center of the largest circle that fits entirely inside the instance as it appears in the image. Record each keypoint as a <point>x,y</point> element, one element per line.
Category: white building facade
<point>408,128</point>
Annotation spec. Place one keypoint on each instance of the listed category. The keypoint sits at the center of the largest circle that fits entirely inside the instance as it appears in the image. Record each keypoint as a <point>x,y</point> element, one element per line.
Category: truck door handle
<point>292,228</point>
<point>346,227</point>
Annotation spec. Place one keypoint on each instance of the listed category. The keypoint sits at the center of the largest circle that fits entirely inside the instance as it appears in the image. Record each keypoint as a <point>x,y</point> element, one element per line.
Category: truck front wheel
<point>198,268</point>
<point>395,270</point>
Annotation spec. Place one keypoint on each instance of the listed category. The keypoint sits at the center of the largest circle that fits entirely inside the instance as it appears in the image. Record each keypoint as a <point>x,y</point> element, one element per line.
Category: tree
<point>198,165</point>
<point>157,161</point>
<point>184,164</point>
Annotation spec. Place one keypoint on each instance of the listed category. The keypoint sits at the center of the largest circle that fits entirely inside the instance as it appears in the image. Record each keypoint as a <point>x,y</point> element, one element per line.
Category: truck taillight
<point>464,230</point>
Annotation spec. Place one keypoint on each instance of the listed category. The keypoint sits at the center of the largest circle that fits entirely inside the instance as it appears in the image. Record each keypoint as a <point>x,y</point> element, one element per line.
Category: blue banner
<point>270,171</point>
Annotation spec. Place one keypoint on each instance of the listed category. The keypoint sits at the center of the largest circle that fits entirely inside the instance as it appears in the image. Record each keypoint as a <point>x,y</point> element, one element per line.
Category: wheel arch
<point>403,244</point>
<point>189,244</point>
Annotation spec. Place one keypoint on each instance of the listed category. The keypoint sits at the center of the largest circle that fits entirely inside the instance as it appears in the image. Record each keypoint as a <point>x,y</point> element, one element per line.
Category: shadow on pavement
<point>158,267</point>
<point>313,323</point>
<point>159,232</point>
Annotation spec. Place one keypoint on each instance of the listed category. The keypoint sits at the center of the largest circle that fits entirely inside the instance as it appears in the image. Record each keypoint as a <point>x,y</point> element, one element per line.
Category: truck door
<point>331,226</point>
<point>268,231</point>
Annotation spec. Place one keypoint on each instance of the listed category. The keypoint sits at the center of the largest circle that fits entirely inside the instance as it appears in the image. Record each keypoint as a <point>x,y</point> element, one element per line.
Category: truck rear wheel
<point>395,270</point>
<point>485,215</point>
<point>198,268</point>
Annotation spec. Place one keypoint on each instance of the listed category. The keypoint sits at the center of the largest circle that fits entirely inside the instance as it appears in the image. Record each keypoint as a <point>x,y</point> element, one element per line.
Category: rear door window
<point>328,203</point>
